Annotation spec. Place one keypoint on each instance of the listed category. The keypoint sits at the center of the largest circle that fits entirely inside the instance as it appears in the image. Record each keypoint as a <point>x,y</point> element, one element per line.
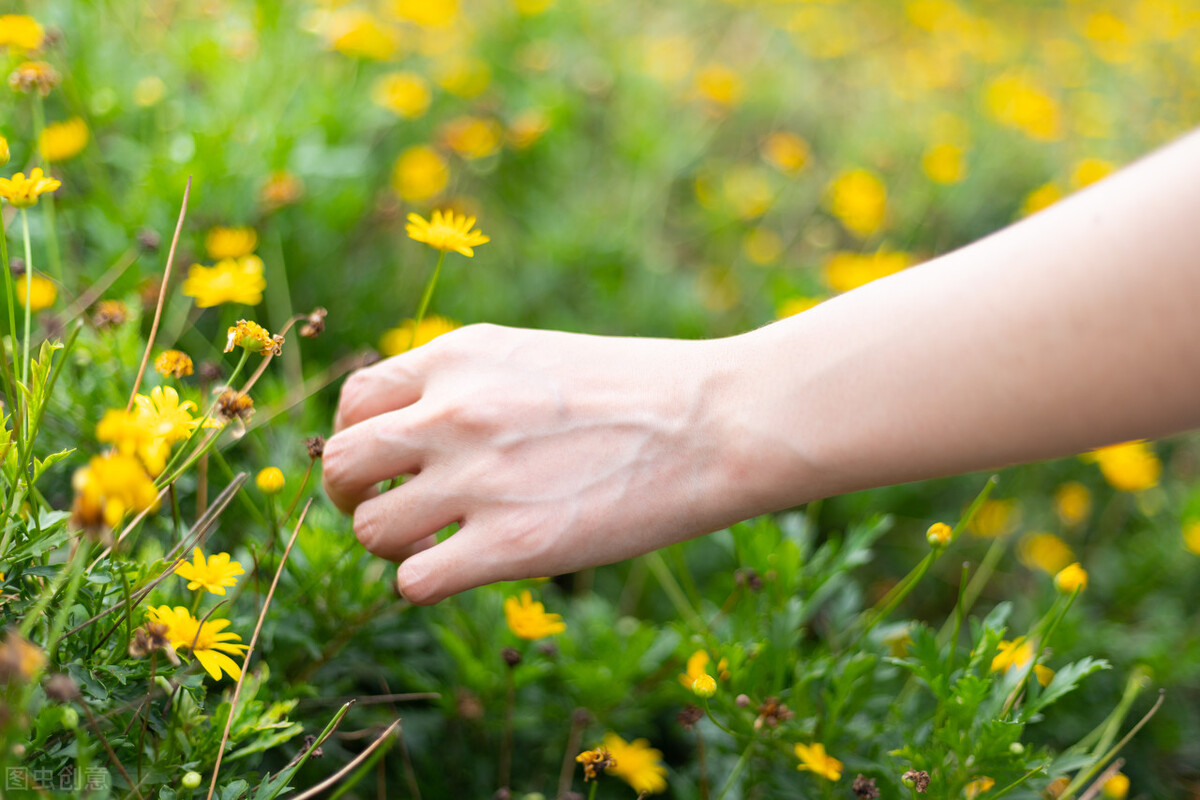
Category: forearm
<point>1071,329</point>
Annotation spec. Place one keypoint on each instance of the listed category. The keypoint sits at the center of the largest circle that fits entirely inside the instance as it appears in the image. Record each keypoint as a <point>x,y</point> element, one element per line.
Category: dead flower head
<point>771,713</point>
<point>315,445</point>
<point>150,637</point>
<point>689,716</point>
<point>314,323</point>
<point>595,762</point>
<point>110,314</point>
<point>916,779</point>
<point>33,75</point>
<point>864,788</point>
<point>234,405</point>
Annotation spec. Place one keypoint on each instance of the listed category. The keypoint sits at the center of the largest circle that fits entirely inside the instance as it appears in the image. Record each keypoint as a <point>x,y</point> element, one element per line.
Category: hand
<point>553,451</point>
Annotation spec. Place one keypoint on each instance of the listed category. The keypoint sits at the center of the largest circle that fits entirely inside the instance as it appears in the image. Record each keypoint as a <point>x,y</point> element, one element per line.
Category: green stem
<point>196,432</point>
<point>592,791</point>
<point>12,312</point>
<point>39,124</point>
<point>425,298</point>
<point>737,770</point>
<point>659,567</point>
<point>28,293</point>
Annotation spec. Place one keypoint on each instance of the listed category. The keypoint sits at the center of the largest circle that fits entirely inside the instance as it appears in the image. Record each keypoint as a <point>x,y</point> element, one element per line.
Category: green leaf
<point>1065,681</point>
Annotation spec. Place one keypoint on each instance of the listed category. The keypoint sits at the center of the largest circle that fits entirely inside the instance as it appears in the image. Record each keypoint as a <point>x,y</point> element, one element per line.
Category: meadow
<point>216,210</point>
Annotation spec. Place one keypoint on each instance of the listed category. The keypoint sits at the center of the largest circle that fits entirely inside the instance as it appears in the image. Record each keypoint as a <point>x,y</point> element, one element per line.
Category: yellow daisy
<point>529,620</point>
<point>212,575</point>
<point>231,280</point>
<point>24,192</point>
<point>446,231</point>
<point>203,639</point>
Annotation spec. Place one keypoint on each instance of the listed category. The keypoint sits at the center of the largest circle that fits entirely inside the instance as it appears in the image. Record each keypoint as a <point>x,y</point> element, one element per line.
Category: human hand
<point>553,451</point>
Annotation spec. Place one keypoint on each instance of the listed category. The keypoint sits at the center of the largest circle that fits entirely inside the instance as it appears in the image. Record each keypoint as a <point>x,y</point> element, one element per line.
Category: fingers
<point>386,386</point>
<point>375,450</point>
<point>400,523</point>
<point>449,567</point>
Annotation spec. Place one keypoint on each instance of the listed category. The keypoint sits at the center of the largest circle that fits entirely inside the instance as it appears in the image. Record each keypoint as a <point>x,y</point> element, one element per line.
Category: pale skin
<point>1074,328</point>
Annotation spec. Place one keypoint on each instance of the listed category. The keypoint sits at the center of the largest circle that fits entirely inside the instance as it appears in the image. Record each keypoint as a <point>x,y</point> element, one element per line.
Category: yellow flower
<point>858,199</point>
<point>795,305</point>
<point>845,271</point>
<point>270,480</point>
<point>1018,101</point>
<point>1091,170</point>
<point>719,85</point>
<point>419,174</point>
<point>696,663</point>
<point>939,534</point>
<point>110,314</point>
<point>1044,551</point>
<point>229,281</point>
<point>529,620</point>
<point>1072,503</point>
<point>1111,37</point>
<point>110,486</point>
<point>527,127</point>
<point>4,154</point>
<point>813,758</point>
<point>463,76</point>
<point>403,93</point>
<point>1012,654</point>
<point>1072,578</point>
<point>24,192</point>
<point>1129,467</point>
<point>429,13</point>
<point>126,430</point>
<point>60,141</point>
<point>252,336</point>
<point>446,231</point>
<point>1043,674</point>
<point>203,639</point>
<point>1117,787</point>
<point>787,152</point>
<point>944,163</point>
<point>530,8</point>
<point>471,137</point>
<point>165,416</point>
<point>1041,198</point>
<point>173,364</point>
<point>995,518</point>
<point>1191,537</point>
<point>281,189</point>
<point>21,32</point>
<point>704,686</point>
<point>223,243</point>
<point>42,293</point>
<point>979,786</point>
<point>396,340</point>
<point>361,34</point>
<point>212,575</point>
<point>637,763</point>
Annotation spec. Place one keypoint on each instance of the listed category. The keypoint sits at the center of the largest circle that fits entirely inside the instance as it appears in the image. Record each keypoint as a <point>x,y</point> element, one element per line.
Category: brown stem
<point>506,747</point>
<point>579,718</point>
<point>344,771</point>
<point>162,294</point>
<point>107,747</point>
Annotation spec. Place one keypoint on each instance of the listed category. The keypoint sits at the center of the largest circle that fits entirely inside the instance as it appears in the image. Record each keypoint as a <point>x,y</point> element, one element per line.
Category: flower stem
<point>12,312</point>
<point>425,298</point>
<point>28,296</point>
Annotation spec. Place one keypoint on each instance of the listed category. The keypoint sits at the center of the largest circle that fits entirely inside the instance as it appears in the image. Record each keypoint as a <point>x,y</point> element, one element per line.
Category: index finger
<point>386,386</point>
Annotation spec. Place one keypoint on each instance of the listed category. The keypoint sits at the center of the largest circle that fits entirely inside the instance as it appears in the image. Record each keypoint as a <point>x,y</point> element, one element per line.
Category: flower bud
<point>1071,579</point>
<point>939,534</point>
<point>704,686</point>
<point>3,151</point>
<point>191,780</point>
<point>270,480</point>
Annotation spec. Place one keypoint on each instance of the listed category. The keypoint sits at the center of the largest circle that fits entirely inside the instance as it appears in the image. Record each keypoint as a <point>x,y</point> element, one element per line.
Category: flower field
<point>216,210</point>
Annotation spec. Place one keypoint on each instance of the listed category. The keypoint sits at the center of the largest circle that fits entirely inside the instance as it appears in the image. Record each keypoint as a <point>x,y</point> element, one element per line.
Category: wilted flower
<point>253,337</point>
<point>234,405</point>
<point>813,758</point>
<point>212,574</point>
<point>315,445</point>
<point>314,324</point>
<point>110,314</point>
<point>595,762</point>
<point>20,659</point>
<point>446,231</point>
<point>917,780</point>
<point>151,637</point>
<point>173,364</point>
<point>771,713</point>
<point>34,75</point>
<point>529,620</point>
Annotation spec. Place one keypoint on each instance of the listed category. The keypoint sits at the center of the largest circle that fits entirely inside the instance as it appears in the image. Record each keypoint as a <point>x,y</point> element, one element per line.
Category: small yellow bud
<point>939,534</point>
<point>3,151</point>
<point>1117,787</point>
<point>1071,579</point>
<point>270,480</point>
<point>705,686</point>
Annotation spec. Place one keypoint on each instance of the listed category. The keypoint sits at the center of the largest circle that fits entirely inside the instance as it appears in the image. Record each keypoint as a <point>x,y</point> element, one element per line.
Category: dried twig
<point>341,773</point>
<point>162,294</point>
<point>237,690</point>
<point>1095,789</point>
